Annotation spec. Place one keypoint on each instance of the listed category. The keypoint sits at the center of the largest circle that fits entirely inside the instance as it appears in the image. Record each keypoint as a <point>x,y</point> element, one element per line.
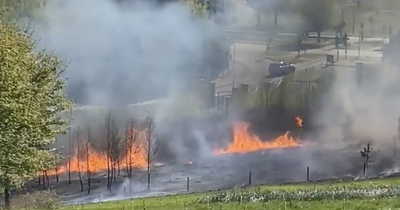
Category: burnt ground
<point>222,172</point>
<point>194,140</point>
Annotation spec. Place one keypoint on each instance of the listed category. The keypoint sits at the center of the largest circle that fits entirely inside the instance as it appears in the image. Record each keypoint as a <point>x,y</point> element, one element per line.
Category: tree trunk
<point>80,178</point>
<point>148,178</point>
<point>89,182</point>
<point>119,168</point>
<point>69,149</point>
<point>111,173</point>
<point>79,169</point>
<point>57,178</point>
<point>127,160</point>
<point>115,172</point>
<point>88,166</point>
<point>39,179</point>
<point>148,166</point>
<point>69,171</point>
<point>7,197</point>
<point>108,170</point>
<point>44,181</point>
<point>130,162</point>
<point>47,178</point>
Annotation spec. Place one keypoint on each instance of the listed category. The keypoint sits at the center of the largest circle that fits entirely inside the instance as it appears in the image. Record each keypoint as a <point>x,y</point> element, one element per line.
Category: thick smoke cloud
<point>118,54</point>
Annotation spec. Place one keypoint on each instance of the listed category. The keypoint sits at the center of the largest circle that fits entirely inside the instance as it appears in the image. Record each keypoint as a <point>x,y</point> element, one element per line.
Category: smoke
<point>119,54</point>
<point>361,109</point>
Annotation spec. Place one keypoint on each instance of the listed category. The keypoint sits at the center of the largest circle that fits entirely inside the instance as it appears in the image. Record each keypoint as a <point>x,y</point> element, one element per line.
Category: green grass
<point>189,201</point>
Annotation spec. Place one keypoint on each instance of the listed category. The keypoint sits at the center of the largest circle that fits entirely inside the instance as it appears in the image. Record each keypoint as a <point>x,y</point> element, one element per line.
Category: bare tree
<point>114,147</point>
<point>131,139</point>
<point>366,154</point>
<point>87,141</point>
<point>79,153</point>
<point>152,144</point>
<point>69,148</point>
<point>132,146</point>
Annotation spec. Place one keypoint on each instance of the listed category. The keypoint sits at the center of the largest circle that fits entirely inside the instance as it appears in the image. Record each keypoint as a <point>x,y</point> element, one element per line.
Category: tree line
<point>124,147</point>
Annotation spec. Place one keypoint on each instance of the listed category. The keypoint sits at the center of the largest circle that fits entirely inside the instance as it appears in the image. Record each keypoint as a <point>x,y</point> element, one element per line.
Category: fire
<point>243,141</point>
<point>86,159</point>
<point>299,122</point>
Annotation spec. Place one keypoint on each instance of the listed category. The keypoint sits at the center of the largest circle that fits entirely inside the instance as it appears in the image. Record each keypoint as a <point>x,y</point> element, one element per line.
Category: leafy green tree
<point>14,10</point>
<point>31,98</point>
<point>197,8</point>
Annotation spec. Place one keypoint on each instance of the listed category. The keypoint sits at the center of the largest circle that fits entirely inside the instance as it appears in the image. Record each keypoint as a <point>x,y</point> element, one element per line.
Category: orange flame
<point>87,159</point>
<point>299,122</point>
<point>243,141</point>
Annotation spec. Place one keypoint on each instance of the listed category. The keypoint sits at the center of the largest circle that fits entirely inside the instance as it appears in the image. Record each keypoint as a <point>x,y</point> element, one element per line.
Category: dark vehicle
<point>279,69</point>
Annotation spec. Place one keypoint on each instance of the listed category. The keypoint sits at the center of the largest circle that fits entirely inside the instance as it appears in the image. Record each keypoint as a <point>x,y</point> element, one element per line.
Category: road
<point>260,37</point>
<point>251,66</point>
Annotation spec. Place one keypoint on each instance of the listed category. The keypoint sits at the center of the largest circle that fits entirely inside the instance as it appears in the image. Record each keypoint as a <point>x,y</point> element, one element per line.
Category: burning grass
<point>244,141</point>
<point>368,194</point>
<point>130,151</point>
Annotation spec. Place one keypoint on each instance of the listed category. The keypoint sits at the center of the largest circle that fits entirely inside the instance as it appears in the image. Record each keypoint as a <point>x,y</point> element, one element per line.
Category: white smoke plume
<point>368,112</point>
<point>119,54</point>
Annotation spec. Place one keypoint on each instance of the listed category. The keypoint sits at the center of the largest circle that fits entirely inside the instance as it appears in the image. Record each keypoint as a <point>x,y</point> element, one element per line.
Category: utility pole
<point>234,65</point>
<point>337,47</point>
<point>359,44</point>
<point>342,21</point>
<point>354,19</point>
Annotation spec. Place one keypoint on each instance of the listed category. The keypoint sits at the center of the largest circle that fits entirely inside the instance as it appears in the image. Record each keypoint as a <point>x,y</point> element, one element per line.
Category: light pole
<point>233,66</point>
<point>359,44</point>
<point>354,15</point>
<point>354,20</point>
<point>390,21</point>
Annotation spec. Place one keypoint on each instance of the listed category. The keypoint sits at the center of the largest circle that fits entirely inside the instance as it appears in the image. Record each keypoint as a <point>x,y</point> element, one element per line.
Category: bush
<point>37,200</point>
<point>331,193</point>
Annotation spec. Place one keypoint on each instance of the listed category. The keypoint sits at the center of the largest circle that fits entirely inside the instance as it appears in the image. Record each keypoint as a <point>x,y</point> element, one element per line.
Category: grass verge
<point>351,195</point>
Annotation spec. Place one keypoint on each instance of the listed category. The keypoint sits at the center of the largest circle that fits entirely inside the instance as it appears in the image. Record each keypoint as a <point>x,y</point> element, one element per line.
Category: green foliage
<point>14,10</point>
<point>197,8</point>
<point>37,200</point>
<point>31,96</point>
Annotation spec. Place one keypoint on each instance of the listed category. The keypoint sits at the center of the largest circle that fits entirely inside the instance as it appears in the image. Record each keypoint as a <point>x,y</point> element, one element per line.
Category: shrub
<point>37,200</point>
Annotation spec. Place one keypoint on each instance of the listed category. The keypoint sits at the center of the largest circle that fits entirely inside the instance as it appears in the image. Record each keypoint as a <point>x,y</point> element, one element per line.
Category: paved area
<point>251,66</point>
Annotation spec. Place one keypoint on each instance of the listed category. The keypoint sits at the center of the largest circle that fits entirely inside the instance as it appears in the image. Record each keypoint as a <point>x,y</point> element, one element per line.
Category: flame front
<point>299,122</point>
<point>86,159</point>
<point>243,141</point>
<point>98,161</point>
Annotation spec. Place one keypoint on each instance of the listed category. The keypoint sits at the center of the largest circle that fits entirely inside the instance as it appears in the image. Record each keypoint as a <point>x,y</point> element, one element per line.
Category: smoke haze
<point>368,112</point>
<point>121,54</point>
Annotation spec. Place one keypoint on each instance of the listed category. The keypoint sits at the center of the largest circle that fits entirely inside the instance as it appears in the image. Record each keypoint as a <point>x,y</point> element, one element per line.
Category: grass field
<point>351,195</point>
